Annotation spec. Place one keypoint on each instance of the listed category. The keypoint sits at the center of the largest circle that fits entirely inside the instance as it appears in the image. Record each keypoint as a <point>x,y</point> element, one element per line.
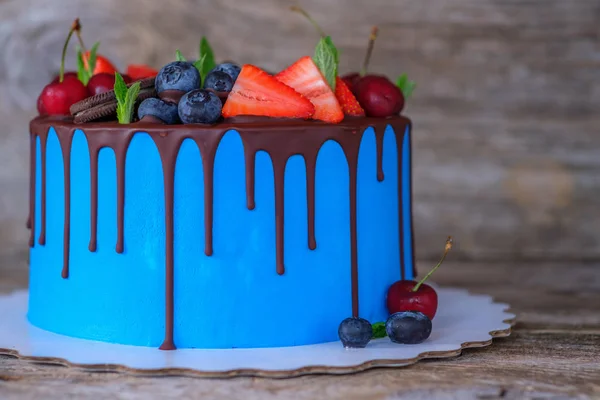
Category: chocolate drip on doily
<point>281,139</point>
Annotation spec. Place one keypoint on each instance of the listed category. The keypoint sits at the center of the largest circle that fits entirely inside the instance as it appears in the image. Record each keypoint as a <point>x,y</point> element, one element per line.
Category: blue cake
<point>241,234</point>
<point>219,206</point>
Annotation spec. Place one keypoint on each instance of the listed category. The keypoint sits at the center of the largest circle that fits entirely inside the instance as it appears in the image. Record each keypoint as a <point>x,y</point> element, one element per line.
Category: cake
<point>250,230</point>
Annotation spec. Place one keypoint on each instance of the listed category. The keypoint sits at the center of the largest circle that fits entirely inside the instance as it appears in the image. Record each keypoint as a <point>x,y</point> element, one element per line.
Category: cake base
<point>463,321</point>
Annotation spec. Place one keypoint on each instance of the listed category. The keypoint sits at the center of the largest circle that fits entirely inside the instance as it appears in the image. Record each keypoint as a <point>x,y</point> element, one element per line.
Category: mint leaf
<point>92,58</point>
<point>82,73</point>
<point>379,330</point>
<point>208,57</point>
<point>199,64</point>
<point>406,86</point>
<point>179,56</point>
<point>125,98</point>
<point>326,58</point>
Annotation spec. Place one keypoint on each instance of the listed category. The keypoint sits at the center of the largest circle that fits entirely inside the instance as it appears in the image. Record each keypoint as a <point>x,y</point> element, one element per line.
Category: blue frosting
<point>233,298</point>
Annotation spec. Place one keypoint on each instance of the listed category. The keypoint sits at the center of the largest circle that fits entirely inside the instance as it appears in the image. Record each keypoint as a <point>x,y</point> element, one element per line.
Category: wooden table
<point>554,351</point>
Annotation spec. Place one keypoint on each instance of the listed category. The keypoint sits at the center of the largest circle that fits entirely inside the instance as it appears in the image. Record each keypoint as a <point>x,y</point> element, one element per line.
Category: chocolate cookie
<point>104,105</point>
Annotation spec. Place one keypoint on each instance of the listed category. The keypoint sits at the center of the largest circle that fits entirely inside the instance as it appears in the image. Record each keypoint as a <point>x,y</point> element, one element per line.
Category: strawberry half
<point>257,93</point>
<point>305,77</point>
<point>347,101</point>
<point>139,71</point>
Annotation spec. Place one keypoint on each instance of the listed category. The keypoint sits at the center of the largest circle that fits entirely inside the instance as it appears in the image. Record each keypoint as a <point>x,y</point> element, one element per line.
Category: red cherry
<point>351,80</point>
<point>401,297</point>
<point>57,98</point>
<point>379,96</point>
<point>100,83</point>
<point>126,78</point>
<point>416,296</point>
<point>68,75</point>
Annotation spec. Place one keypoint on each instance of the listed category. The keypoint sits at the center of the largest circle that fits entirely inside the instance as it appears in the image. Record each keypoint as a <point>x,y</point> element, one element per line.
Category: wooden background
<point>506,114</point>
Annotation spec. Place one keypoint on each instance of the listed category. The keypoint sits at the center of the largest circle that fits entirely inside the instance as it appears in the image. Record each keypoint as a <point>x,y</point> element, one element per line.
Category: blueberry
<point>166,112</point>
<point>355,332</point>
<point>230,69</point>
<point>219,81</point>
<point>408,327</point>
<point>199,107</point>
<point>178,75</point>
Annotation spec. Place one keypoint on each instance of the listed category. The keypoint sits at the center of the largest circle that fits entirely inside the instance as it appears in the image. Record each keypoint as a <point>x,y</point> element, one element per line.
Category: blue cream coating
<point>233,298</point>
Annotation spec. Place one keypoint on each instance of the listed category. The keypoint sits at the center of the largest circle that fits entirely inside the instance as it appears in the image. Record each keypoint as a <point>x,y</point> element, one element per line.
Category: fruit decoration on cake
<point>411,306</point>
<point>309,89</point>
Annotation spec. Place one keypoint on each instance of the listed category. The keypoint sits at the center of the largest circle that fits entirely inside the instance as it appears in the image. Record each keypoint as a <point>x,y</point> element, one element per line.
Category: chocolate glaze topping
<point>280,138</point>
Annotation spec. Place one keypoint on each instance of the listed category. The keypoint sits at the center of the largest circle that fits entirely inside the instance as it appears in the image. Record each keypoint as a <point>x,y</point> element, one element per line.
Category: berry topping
<point>378,96</point>
<point>94,63</point>
<point>66,75</point>
<point>178,75</point>
<point>230,69</point>
<point>257,93</point>
<point>166,112</point>
<point>351,80</point>
<point>138,72</point>
<point>218,81</point>
<point>408,327</point>
<point>416,296</point>
<point>57,97</point>
<point>347,100</point>
<point>199,107</point>
<point>355,332</point>
<point>306,79</point>
<point>103,82</point>
<point>103,64</point>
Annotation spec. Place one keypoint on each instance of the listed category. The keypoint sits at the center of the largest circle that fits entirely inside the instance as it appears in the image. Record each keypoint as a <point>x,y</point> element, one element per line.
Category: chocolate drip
<point>279,179</point>
<point>249,160</point>
<point>120,150</point>
<point>32,173</point>
<point>43,142</point>
<point>66,140</point>
<point>168,150</point>
<point>208,150</point>
<point>311,164</point>
<point>379,144</point>
<point>94,152</point>
<point>281,139</point>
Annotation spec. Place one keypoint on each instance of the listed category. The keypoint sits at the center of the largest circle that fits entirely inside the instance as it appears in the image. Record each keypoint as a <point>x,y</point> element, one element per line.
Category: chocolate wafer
<point>104,105</point>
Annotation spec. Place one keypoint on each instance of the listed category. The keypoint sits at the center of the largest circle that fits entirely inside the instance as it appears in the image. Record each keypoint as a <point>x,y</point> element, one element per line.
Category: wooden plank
<point>506,123</point>
<point>553,352</point>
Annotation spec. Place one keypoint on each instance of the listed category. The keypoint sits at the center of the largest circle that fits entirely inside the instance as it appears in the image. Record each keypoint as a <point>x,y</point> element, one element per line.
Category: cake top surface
<point>308,93</point>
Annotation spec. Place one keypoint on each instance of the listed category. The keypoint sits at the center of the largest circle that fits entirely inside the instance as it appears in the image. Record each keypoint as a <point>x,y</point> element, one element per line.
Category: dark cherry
<point>351,80</point>
<point>126,78</point>
<point>100,83</point>
<point>379,96</point>
<point>56,98</point>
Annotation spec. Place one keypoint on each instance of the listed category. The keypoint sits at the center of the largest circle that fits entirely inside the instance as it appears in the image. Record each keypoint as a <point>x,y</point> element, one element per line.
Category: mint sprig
<point>85,74</point>
<point>406,86</point>
<point>179,56</point>
<point>326,58</point>
<point>206,61</point>
<point>379,330</point>
<point>126,98</point>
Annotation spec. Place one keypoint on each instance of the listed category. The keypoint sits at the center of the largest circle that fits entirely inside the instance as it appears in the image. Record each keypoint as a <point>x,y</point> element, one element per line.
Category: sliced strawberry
<point>305,77</point>
<point>139,71</point>
<point>257,93</point>
<point>347,101</point>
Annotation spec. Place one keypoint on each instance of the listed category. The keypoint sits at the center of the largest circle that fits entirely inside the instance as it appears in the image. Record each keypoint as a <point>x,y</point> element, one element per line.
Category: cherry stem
<point>372,38</point>
<point>75,27</point>
<point>300,10</point>
<point>446,250</point>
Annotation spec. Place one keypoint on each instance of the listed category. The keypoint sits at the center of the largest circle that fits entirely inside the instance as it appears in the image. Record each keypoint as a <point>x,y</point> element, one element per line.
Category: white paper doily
<point>463,321</point>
